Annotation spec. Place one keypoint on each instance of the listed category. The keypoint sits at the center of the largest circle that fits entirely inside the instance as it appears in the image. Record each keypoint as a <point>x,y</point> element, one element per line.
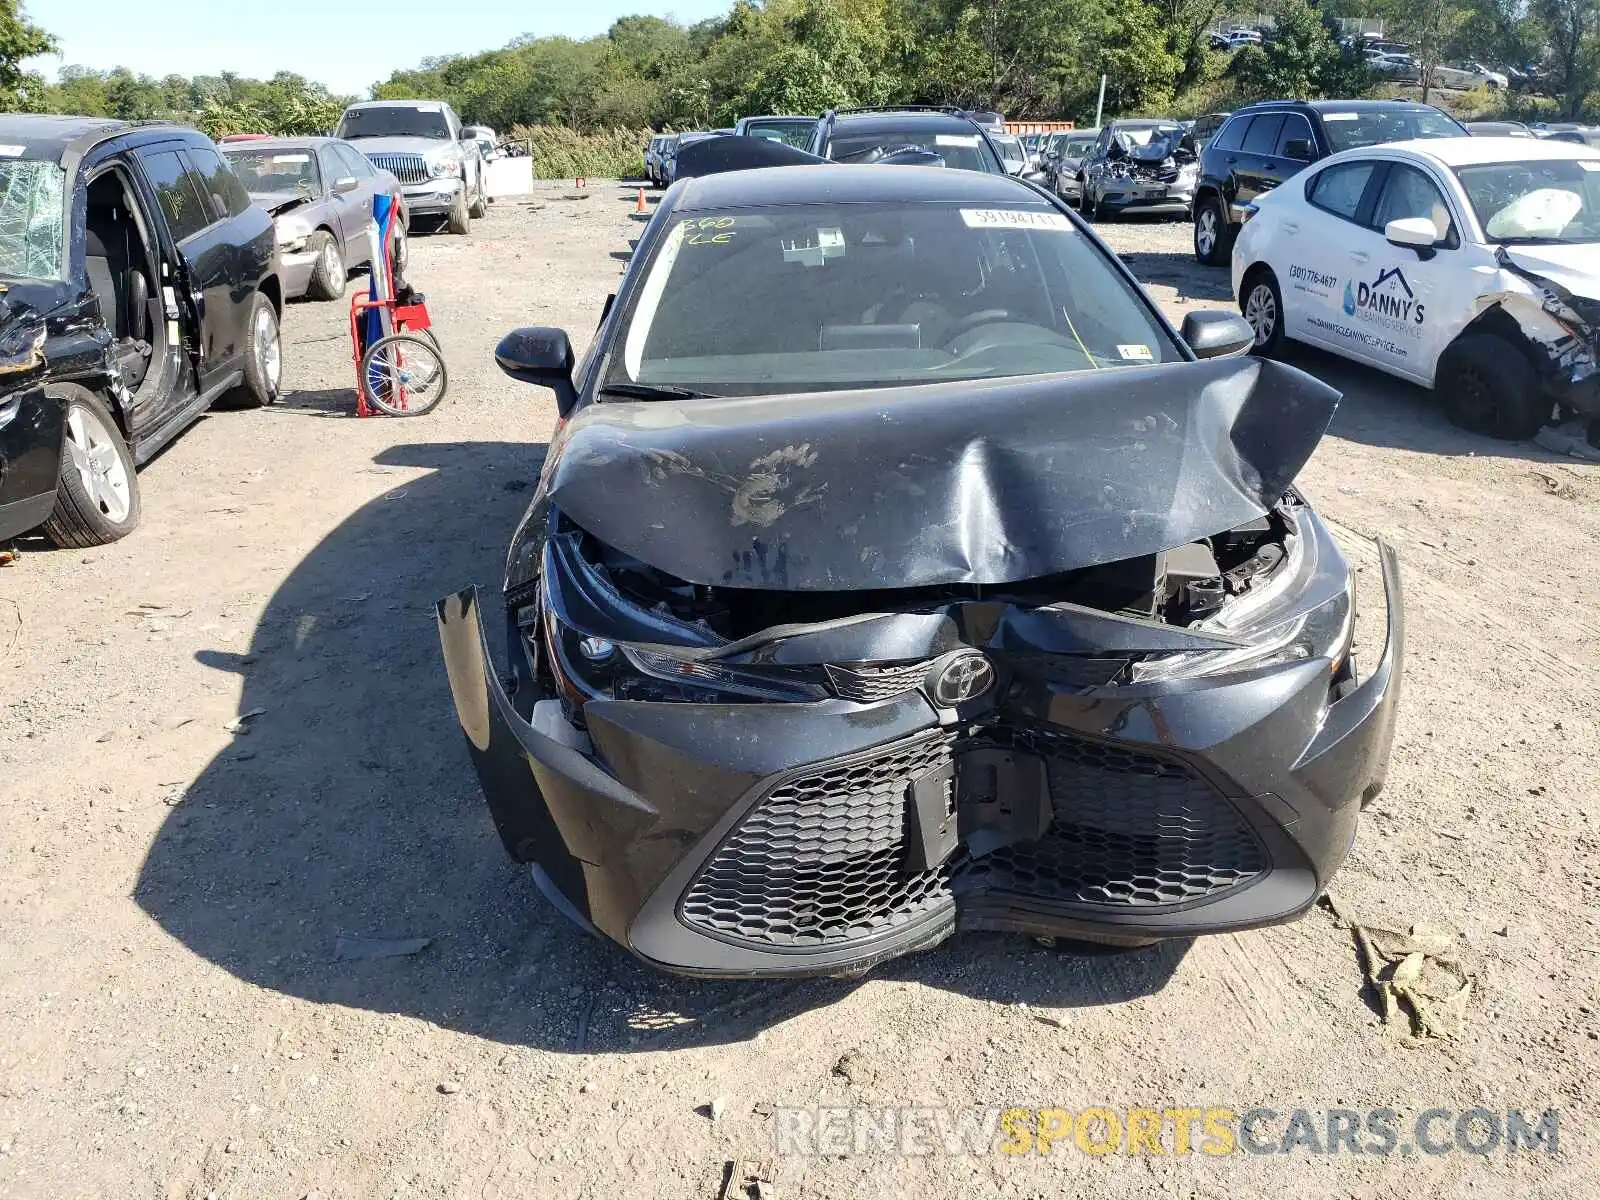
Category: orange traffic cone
<point>639,207</point>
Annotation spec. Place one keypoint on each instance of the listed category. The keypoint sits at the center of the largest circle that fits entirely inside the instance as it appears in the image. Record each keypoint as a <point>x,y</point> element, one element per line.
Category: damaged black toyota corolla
<point>895,569</point>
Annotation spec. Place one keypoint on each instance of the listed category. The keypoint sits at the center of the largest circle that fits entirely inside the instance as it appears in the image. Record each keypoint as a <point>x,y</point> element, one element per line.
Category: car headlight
<point>293,233</point>
<point>592,668</point>
<point>1279,619</point>
<point>1189,172</point>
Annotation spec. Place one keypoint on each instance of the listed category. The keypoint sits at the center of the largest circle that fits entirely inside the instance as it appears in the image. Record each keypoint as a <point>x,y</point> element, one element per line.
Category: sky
<point>348,46</point>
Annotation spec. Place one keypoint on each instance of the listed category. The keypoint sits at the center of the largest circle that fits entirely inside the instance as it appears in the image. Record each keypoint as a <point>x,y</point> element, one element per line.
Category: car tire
<point>97,492</point>
<point>328,275</point>
<point>1489,387</point>
<point>480,206</point>
<point>1089,209</point>
<point>1262,305</point>
<point>460,219</point>
<point>1213,237</point>
<point>263,357</point>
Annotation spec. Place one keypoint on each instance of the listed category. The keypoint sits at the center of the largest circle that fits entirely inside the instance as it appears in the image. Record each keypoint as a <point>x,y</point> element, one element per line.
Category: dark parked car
<point>1203,129</point>
<point>898,568</point>
<point>1263,144</point>
<point>319,192</point>
<point>1064,161</point>
<point>137,285</point>
<point>911,134</point>
<point>1145,165</point>
<point>796,131</point>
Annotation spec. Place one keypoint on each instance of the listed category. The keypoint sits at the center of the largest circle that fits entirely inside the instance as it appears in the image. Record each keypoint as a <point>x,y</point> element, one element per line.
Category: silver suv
<point>424,145</point>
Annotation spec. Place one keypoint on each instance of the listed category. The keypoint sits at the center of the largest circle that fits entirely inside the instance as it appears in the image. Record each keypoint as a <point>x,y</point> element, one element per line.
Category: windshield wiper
<point>653,391</point>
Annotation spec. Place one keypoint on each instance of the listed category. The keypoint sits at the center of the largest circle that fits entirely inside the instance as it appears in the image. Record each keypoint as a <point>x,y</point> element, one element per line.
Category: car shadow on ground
<point>349,811</point>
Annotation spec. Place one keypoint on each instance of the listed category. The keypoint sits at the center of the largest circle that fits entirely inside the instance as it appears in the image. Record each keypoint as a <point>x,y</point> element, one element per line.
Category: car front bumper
<point>1168,198</point>
<point>795,839</point>
<point>432,198</point>
<point>30,458</point>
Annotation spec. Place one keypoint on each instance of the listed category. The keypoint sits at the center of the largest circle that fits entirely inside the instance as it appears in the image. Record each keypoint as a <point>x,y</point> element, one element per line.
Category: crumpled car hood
<point>1575,268</point>
<point>984,482</point>
<point>279,202</point>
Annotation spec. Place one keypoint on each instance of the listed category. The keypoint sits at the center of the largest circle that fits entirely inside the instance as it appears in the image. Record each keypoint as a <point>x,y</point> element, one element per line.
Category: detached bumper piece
<point>777,839</point>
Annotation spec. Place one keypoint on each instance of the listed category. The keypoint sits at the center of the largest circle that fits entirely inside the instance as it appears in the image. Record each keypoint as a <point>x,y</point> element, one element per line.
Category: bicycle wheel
<point>403,375</point>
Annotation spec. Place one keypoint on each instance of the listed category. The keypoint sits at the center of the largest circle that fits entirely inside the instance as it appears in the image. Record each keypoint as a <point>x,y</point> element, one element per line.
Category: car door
<point>349,200</point>
<point>1252,164</point>
<point>1319,228</point>
<point>1295,150</point>
<point>195,228</point>
<point>372,185</point>
<point>1407,293</point>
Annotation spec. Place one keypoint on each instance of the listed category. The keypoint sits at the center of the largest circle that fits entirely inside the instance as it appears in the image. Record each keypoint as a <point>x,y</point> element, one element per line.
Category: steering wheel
<point>984,316</point>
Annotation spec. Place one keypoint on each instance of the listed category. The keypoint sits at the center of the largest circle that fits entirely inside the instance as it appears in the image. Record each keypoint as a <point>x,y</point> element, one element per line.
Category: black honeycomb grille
<point>1128,830</point>
<point>869,683</point>
<point>819,860</point>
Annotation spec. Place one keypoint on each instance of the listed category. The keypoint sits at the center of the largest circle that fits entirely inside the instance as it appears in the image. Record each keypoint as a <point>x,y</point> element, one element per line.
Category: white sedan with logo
<point>1469,265</point>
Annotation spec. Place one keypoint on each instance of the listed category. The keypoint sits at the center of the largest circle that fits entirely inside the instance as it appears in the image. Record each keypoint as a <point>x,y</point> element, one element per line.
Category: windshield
<point>32,208</point>
<point>424,121</point>
<point>263,171</point>
<point>1347,130</point>
<point>818,296</point>
<point>1557,200</point>
<point>795,133</point>
<point>1150,141</point>
<point>1079,144</point>
<point>964,151</point>
<point>1010,150</point>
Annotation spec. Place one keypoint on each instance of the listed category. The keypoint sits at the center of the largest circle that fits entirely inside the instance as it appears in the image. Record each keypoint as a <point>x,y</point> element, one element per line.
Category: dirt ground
<point>177,1019</point>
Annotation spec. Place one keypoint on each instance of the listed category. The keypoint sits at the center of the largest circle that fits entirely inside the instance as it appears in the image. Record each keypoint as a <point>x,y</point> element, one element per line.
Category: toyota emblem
<point>963,676</point>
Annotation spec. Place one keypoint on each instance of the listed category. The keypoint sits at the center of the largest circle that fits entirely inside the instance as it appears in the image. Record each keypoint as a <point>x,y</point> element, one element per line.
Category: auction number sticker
<point>1341,116</point>
<point>955,139</point>
<point>1137,353</point>
<point>11,151</point>
<point>1013,218</point>
<point>1588,164</point>
<point>708,231</point>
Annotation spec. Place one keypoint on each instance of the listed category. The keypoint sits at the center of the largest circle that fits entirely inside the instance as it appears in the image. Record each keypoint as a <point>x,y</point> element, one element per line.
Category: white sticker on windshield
<point>1588,164</point>
<point>1013,218</point>
<point>284,160</point>
<point>1341,116</point>
<point>1141,353</point>
<point>955,139</point>
<point>11,151</point>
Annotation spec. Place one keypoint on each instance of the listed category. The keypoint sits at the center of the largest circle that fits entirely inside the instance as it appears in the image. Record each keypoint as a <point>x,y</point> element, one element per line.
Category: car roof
<point>1326,106</point>
<point>397,104</point>
<point>1141,123</point>
<point>841,183</point>
<point>1469,151</point>
<point>889,122</point>
<point>52,134</point>
<point>778,117</point>
<point>280,143</point>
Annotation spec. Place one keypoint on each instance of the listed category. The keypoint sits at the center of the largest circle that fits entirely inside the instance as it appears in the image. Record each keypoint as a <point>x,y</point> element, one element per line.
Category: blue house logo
<point>1350,299</point>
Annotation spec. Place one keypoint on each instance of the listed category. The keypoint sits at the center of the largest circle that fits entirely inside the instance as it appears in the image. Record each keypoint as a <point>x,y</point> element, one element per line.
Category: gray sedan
<point>319,191</point>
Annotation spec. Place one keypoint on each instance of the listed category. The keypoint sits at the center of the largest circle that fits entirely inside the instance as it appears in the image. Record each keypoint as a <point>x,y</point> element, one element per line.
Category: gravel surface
<point>189,1006</point>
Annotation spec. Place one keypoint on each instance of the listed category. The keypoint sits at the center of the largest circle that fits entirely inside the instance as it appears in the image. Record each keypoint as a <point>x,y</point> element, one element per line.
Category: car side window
<point>1295,129</point>
<point>218,181</point>
<point>1409,193</point>
<point>344,162</point>
<point>1263,135</point>
<point>178,192</point>
<point>1339,189</point>
<point>357,162</point>
<point>1232,134</point>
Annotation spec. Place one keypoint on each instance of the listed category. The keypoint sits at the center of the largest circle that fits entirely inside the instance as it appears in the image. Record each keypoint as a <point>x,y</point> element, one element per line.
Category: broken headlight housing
<point>593,668</point>
<point>1282,618</point>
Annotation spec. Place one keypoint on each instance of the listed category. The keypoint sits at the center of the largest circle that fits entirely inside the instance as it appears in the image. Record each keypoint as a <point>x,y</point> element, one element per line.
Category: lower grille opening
<point>822,859</point>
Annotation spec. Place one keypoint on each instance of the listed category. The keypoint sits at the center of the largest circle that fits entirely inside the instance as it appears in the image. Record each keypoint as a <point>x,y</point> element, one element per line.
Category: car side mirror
<point>1298,149</point>
<point>1216,333</point>
<point>1419,233</point>
<point>541,355</point>
<point>345,184</point>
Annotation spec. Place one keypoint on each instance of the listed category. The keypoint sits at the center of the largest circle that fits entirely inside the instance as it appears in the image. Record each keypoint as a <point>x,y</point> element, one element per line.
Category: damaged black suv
<point>896,568</point>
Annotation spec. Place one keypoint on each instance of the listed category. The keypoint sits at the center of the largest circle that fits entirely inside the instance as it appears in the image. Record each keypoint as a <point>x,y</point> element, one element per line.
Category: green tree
<point>20,39</point>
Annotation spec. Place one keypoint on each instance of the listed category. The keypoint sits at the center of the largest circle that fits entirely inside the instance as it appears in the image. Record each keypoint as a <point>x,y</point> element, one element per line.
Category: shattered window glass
<point>31,226</point>
<point>1553,200</point>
